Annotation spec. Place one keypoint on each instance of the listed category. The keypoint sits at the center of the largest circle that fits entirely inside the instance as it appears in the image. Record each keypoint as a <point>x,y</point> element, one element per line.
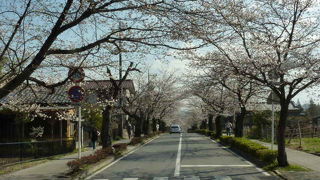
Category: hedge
<point>206,132</point>
<point>98,155</point>
<point>252,148</point>
<point>120,147</point>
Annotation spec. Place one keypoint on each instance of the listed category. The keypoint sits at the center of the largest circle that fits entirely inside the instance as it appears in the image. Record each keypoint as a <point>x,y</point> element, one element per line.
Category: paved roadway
<point>187,156</point>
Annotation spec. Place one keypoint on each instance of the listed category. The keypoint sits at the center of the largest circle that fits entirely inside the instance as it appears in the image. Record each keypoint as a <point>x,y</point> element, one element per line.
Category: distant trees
<point>217,100</point>
<point>154,103</point>
<point>313,109</point>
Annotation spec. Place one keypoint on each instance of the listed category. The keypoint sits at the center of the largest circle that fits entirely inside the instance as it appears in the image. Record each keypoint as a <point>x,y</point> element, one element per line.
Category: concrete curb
<point>94,167</point>
<point>99,165</point>
<point>278,173</point>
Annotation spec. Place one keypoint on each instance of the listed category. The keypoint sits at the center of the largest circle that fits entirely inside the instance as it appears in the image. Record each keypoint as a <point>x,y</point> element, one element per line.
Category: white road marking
<point>177,170</point>
<point>222,178</point>
<point>160,178</point>
<point>259,169</point>
<point>192,178</point>
<point>102,169</point>
<point>219,165</point>
<point>130,178</point>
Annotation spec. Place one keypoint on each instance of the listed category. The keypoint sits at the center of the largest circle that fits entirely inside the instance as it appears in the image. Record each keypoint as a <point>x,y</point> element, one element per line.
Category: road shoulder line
<point>257,168</point>
<point>109,165</point>
<point>219,165</point>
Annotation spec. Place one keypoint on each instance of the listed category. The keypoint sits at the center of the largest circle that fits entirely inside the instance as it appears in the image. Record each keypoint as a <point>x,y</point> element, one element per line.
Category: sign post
<point>76,95</point>
<point>79,131</point>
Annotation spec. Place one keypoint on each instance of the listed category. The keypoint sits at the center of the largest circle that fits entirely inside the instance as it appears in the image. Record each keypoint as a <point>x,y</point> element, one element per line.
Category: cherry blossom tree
<point>273,43</point>
<point>240,87</point>
<point>156,99</point>
<point>39,36</point>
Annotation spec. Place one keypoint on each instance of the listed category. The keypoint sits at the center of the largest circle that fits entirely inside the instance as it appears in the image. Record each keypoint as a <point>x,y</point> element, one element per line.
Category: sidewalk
<point>298,157</point>
<point>53,169</point>
<point>306,160</point>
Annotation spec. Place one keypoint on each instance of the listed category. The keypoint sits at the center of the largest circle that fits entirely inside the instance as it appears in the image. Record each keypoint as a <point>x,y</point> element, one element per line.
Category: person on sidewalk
<point>228,128</point>
<point>94,137</point>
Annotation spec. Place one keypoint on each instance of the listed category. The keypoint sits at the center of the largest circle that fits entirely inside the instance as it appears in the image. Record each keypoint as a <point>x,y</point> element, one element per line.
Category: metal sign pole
<point>76,94</point>
<point>272,124</point>
<point>79,131</point>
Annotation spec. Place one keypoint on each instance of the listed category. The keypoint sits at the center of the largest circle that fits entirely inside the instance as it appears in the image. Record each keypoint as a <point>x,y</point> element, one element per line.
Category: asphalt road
<point>187,156</point>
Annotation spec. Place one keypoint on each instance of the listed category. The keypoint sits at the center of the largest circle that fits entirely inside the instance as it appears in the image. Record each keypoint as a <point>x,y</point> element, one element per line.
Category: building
<point>55,112</point>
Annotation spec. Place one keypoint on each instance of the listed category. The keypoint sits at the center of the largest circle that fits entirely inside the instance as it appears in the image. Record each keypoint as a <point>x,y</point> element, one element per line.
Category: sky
<point>180,67</point>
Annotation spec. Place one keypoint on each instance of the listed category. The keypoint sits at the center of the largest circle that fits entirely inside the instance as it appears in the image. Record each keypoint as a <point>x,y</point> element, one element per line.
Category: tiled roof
<point>40,95</point>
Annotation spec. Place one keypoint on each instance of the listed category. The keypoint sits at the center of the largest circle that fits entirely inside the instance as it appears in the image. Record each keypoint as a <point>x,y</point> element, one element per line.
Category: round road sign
<point>76,93</point>
<point>76,74</point>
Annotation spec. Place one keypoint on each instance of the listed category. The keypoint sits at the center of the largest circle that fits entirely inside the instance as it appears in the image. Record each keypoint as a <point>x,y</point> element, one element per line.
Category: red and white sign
<point>76,94</point>
<point>76,74</point>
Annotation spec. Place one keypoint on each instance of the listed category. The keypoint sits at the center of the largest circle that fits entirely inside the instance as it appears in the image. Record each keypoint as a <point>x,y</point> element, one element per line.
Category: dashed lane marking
<point>160,178</point>
<point>192,178</point>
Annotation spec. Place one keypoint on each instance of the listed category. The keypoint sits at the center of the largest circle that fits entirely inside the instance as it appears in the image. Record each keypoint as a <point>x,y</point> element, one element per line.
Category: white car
<point>175,129</point>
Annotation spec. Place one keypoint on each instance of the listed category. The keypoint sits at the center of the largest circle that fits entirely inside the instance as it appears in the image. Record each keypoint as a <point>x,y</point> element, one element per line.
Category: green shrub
<point>212,135</point>
<point>120,147</point>
<point>255,149</point>
<point>205,132</point>
<point>151,135</point>
<point>227,140</point>
<point>78,164</point>
<point>267,155</point>
<point>136,140</point>
<point>247,145</point>
<point>117,138</point>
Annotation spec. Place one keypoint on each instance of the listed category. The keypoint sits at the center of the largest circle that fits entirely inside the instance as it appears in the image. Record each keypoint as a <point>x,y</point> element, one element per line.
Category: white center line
<point>177,170</point>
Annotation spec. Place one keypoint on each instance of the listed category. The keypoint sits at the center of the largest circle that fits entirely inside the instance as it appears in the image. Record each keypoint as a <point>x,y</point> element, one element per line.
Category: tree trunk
<point>120,126</point>
<point>106,127</point>
<point>138,125</point>
<point>210,123</point>
<point>282,156</point>
<point>154,125</point>
<point>146,130</point>
<point>218,126</point>
<point>162,126</point>
<point>203,124</point>
<point>239,123</point>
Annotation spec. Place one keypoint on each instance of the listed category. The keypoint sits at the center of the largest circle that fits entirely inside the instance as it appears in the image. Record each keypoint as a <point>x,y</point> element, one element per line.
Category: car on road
<point>175,129</point>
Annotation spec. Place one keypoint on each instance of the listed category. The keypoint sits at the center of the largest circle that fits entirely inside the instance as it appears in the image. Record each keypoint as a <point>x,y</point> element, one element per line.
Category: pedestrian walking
<point>94,137</point>
<point>228,128</point>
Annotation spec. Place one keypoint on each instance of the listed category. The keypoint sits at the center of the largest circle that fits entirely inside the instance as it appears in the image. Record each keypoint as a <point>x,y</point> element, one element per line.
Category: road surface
<point>184,156</point>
